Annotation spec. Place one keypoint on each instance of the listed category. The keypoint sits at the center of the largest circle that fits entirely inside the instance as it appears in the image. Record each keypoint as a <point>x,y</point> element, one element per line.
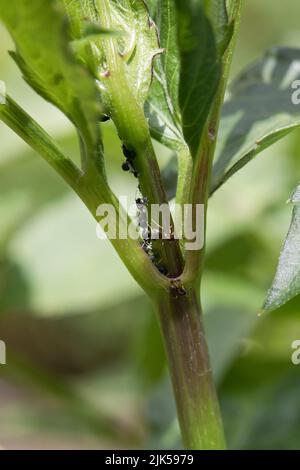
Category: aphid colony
<point>142,205</point>
<point>128,165</point>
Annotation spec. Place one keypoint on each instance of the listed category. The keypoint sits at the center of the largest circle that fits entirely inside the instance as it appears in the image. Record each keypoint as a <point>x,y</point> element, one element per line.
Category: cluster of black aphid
<point>147,245</point>
<point>142,203</point>
<point>128,165</point>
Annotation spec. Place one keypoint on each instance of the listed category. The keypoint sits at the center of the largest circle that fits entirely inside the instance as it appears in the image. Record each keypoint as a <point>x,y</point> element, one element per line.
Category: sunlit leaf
<point>80,11</point>
<point>216,11</point>
<point>286,284</point>
<point>259,111</point>
<point>200,69</point>
<point>136,45</point>
<point>41,33</point>
<point>181,97</point>
<point>162,106</point>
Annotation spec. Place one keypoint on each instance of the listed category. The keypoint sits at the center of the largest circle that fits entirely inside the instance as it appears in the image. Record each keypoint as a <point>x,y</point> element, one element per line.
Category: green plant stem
<point>91,187</point>
<point>181,317</point>
<point>185,169</point>
<point>93,192</point>
<point>199,416</point>
<point>132,126</point>
<point>26,128</point>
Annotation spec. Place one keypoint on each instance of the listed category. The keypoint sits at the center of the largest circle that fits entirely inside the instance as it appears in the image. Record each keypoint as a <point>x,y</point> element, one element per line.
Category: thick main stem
<point>197,404</point>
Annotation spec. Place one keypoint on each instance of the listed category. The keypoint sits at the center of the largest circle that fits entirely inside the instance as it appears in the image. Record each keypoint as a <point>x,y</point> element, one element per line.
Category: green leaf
<point>216,11</point>
<point>258,113</point>
<point>86,28</point>
<point>286,283</point>
<point>41,33</point>
<point>200,69</point>
<point>169,175</point>
<point>162,106</point>
<point>136,45</point>
<point>181,98</point>
<point>152,6</point>
<point>80,11</point>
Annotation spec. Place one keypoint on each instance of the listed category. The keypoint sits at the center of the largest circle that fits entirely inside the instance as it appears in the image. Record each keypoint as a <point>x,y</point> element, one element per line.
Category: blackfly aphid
<point>141,201</point>
<point>146,234</point>
<point>146,247</point>
<point>104,118</point>
<point>177,290</point>
<point>126,166</point>
<point>129,154</point>
<point>163,270</point>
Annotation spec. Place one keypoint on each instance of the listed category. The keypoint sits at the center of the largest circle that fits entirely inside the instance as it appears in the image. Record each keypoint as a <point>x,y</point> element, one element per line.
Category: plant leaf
<point>200,69</point>
<point>216,11</point>
<point>180,99</point>
<point>137,44</point>
<point>169,175</point>
<point>259,111</point>
<point>286,284</point>
<point>79,12</point>
<point>42,34</point>
<point>162,106</point>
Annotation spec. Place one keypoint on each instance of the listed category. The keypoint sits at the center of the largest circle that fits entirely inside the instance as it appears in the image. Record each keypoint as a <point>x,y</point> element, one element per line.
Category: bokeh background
<point>85,364</point>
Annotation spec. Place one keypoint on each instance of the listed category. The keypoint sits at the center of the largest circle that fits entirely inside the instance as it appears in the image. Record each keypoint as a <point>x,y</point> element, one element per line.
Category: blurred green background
<point>85,365</point>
